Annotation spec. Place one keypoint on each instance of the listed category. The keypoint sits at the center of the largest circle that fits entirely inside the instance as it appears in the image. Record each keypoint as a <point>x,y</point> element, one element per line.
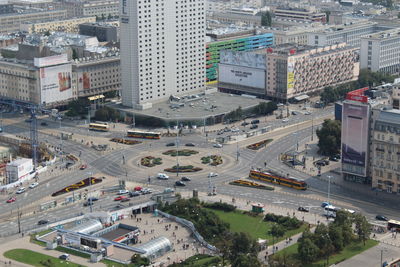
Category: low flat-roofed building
<point>63,25</point>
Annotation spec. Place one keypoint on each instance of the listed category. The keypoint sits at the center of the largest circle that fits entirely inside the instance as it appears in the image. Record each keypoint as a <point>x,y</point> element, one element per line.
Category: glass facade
<point>241,44</point>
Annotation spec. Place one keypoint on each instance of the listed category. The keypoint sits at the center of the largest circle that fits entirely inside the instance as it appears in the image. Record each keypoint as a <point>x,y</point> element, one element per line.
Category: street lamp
<point>90,189</point>
<point>177,147</point>
<point>382,250</point>
<point>59,120</point>
<point>329,187</point>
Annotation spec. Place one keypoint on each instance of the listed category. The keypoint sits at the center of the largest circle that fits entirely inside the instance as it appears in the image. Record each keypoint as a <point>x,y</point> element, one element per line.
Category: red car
<point>137,188</point>
<point>11,199</point>
<point>84,166</point>
<point>120,198</point>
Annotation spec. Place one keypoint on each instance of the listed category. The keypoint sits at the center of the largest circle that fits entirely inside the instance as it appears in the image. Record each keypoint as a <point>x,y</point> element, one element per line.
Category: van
<point>162,176</point>
<point>255,121</point>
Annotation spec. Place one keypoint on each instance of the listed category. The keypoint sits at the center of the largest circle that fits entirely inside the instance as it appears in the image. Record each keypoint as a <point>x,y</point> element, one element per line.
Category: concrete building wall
<point>66,25</point>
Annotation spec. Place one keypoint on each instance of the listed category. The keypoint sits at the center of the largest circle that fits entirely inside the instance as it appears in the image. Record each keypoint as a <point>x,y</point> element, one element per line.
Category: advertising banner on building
<point>84,80</point>
<point>355,127</point>
<point>55,83</point>
<point>244,59</point>
<point>290,74</point>
<point>244,76</point>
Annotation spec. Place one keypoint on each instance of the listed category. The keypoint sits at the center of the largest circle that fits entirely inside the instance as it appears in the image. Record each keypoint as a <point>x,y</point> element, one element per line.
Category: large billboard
<point>355,127</point>
<point>55,83</point>
<point>244,59</point>
<point>251,77</point>
<point>290,74</point>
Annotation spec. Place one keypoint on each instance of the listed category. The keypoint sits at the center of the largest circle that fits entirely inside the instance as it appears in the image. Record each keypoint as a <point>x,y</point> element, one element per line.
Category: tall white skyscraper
<point>162,49</point>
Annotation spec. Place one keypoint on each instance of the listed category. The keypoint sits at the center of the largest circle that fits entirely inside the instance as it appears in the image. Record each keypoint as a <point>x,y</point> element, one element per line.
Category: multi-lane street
<point>286,135</point>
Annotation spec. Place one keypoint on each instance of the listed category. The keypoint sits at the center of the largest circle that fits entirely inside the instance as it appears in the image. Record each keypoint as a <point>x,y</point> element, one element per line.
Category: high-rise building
<point>162,49</point>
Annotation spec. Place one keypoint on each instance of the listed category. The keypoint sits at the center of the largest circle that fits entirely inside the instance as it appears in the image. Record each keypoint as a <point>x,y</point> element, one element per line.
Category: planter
<point>251,184</point>
<point>259,145</point>
<point>188,168</point>
<point>150,161</point>
<point>125,141</point>
<point>213,160</point>
<point>82,184</point>
<point>183,152</point>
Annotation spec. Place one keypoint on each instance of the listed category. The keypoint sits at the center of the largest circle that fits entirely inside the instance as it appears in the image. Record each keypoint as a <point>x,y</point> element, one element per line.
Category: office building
<point>64,25</point>
<point>162,50</point>
<point>295,34</point>
<point>12,22</point>
<point>385,150</point>
<point>300,14</point>
<point>239,43</point>
<point>99,8</point>
<point>381,51</point>
<point>349,33</point>
<point>6,8</point>
<point>224,5</point>
<point>235,18</point>
<point>286,71</point>
<point>103,31</point>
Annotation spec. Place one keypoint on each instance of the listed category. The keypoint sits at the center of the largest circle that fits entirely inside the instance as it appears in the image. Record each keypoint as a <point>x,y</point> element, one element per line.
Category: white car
<point>285,120</point>
<point>217,145</point>
<point>33,185</point>
<point>307,113</point>
<point>162,176</point>
<point>212,174</point>
<point>123,192</point>
<point>235,130</point>
<point>20,190</point>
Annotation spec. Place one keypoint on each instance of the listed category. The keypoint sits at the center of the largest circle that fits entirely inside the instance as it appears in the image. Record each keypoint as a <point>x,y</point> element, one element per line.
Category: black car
<point>93,199</point>
<point>334,159</point>
<point>68,164</point>
<point>42,222</point>
<point>255,121</point>
<point>185,179</point>
<point>134,194</point>
<point>43,123</point>
<point>254,126</point>
<point>64,257</point>
<point>303,209</point>
<point>179,183</point>
<point>381,218</point>
<point>88,203</point>
<point>190,144</point>
<point>170,144</point>
<point>245,123</point>
<point>320,163</point>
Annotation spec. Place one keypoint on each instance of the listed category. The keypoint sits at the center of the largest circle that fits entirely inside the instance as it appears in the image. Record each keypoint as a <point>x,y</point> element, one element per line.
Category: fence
<point>190,226</point>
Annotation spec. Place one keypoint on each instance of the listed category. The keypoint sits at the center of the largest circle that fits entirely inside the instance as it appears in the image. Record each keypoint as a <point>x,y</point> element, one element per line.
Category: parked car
<point>217,145</point>
<point>68,164</point>
<point>179,183</point>
<point>64,257</point>
<point>33,185</point>
<point>146,191</point>
<point>295,112</point>
<point>83,166</point>
<point>185,179</point>
<point>125,199</point>
<point>123,192</point>
<point>190,144</point>
<point>168,190</point>
<point>333,158</point>
<point>303,209</point>
<point>134,194</point>
<point>255,122</point>
<point>285,120</point>
<point>381,218</point>
<point>42,222</point>
<point>162,176</point>
<point>88,203</point>
<point>137,188</point>
<point>235,130</point>
<point>20,190</point>
<point>11,200</point>
<point>244,123</point>
<point>119,198</point>
<point>170,144</point>
<point>307,113</point>
<point>44,123</point>
<point>93,199</point>
<point>212,174</point>
<point>254,126</point>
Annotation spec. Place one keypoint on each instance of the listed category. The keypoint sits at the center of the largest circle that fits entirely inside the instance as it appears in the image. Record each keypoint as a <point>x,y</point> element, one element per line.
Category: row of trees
<point>366,78</point>
<point>262,109</point>
<point>329,138</point>
<point>327,240</point>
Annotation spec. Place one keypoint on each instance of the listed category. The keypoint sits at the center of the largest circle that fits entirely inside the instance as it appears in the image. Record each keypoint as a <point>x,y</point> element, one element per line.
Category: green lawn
<point>254,226</point>
<point>348,252</point>
<point>37,259</point>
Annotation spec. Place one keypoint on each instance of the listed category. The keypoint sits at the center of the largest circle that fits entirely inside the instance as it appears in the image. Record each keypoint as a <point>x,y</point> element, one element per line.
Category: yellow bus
<point>145,135</point>
<point>103,127</point>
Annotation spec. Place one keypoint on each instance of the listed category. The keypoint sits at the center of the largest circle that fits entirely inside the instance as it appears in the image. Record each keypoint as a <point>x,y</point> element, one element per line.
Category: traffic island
<point>183,152</point>
<point>188,168</point>
<point>213,160</point>
<point>125,141</point>
<point>251,184</point>
<point>150,161</point>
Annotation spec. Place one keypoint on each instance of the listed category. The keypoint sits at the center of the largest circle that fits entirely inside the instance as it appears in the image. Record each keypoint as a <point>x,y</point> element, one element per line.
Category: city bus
<point>103,127</point>
<point>393,225</point>
<point>143,134</point>
<point>272,177</point>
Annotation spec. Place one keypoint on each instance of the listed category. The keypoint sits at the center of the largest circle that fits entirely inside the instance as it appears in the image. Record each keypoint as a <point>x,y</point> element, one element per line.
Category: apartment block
<point>12,22</point>
<point>381,51</point>
<point>385,150</point>
<point>65,25</point>
<point>300,14</point>
<point>245,43</point>
<point>97,8</point>
<point>287,71</point>
<point>162,50</point>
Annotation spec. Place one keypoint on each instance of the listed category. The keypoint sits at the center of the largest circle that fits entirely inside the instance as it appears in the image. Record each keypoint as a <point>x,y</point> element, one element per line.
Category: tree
<point>363,228</point>
<point>277,231</point>
<point>137,260</point>
<point>245,260</point>
<point>323,241</point>
<point>265,108</point>
<point>242,243</point>
<point>336,235</point>
<point>329,137</point>
<point>266,19</point>
<point>224,245</point>
<point>307,250</point>
<point>74,54</point>
<point>77,107</point>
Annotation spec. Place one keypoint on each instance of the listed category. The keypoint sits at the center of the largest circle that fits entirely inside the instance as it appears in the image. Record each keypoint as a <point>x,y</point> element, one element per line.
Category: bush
<point>220,206</point>
<point>288,222</point>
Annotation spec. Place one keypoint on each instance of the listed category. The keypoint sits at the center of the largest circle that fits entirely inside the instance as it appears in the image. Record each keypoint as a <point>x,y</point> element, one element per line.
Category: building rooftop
<point>391,116</point>
<point>20,161</point>
<point>392,33</point>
